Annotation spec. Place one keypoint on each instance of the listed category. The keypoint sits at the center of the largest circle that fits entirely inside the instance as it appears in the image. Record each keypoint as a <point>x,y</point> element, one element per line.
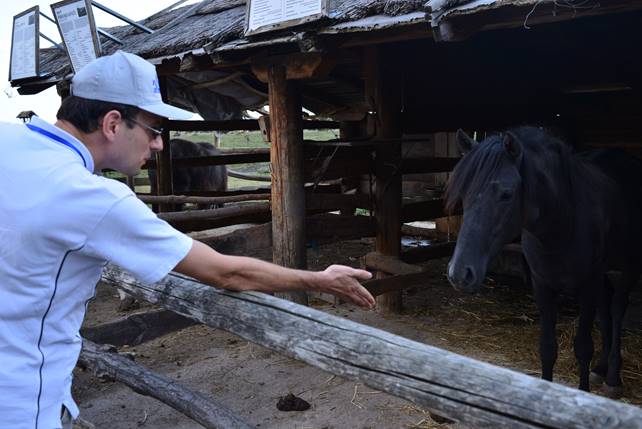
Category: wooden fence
<point>455,386</point>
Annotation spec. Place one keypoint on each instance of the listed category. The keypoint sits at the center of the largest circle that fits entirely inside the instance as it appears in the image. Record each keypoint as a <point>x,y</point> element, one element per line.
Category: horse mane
<point>572,177</point>
<point>472,171</point>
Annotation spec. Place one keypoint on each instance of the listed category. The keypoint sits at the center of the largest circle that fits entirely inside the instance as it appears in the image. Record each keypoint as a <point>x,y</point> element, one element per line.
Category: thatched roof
<point>212,32</point>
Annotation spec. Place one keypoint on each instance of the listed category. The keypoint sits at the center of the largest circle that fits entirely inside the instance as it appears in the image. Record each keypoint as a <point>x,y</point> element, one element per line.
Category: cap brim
<point>167,111</point>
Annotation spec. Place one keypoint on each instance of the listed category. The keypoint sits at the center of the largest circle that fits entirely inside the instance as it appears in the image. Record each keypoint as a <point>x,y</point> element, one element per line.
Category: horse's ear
<point>512,145</point>
<point>465,143</point>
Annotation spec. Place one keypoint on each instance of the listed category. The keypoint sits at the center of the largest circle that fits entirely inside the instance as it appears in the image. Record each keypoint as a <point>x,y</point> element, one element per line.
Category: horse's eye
<point>505,196</point>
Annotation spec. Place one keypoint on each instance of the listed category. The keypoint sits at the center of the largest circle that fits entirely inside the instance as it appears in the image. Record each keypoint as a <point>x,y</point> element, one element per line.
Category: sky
<point>46,103</point>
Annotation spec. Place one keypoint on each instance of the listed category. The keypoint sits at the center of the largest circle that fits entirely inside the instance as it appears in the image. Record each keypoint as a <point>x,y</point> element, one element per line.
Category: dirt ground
<point>499,325</point>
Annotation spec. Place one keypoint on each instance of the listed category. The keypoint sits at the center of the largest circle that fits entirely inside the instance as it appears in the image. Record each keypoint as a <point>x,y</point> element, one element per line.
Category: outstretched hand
<point>343,282</point>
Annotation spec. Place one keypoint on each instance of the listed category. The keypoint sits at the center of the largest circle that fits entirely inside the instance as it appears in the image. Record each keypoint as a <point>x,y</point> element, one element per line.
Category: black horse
<point>579,216</point>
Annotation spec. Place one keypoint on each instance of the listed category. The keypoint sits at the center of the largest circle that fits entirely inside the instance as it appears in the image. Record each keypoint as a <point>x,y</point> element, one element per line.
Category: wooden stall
<point>395,77</point>
<point>387,74</point>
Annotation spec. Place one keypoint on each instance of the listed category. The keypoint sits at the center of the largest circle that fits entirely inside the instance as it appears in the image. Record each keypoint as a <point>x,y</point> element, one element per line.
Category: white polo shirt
<point>59,225</point>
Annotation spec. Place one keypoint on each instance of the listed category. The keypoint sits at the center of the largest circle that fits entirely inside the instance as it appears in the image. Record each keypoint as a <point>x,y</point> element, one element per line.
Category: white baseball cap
<point>127,79</point>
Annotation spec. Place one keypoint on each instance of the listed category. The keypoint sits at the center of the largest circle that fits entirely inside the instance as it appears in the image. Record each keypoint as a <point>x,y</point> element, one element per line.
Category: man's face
<point>138,144</point>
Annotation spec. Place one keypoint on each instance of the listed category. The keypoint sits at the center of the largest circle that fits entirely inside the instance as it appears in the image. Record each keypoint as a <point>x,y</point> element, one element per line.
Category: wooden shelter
<point>388,72</point>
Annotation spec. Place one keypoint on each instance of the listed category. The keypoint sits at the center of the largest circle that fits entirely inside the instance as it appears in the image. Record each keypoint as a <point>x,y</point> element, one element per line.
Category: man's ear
<point>512,145</point>
<point>465,142</point>
<point>110,123</point>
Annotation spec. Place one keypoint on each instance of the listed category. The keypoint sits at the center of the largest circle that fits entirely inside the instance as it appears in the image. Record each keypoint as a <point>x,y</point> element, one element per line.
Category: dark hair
<point>86,114</point>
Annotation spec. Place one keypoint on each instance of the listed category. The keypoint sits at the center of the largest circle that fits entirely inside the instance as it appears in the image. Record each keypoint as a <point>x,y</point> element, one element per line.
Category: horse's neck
<point>550,204</point>
<point>556,209</point>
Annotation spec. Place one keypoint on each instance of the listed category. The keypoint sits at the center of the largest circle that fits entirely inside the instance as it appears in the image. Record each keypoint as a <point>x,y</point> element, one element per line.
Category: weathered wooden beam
<point>194,405</point>
<point>296,66</point>
<point>215,214</point>
<point>286,159</point>
<point>397,283</point>
<point>388,264</point>
<point>137,328</point>
<point>460,388</point>
<point>182,199</point>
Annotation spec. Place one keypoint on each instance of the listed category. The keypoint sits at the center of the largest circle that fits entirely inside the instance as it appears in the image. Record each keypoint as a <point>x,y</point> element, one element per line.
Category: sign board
<point>77,29</point>
<point>25,45</point>
<point>267,15</point>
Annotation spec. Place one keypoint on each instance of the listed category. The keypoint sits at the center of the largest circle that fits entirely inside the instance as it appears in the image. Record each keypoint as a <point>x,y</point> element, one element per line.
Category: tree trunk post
<point>386,95</point>
<point>286,159</point>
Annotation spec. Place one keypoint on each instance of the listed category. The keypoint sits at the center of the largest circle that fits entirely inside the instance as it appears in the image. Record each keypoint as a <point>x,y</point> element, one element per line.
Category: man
<point>60,224</point>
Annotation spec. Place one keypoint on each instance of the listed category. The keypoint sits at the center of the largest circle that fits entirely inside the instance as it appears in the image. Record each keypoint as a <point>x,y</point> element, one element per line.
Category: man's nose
<point>157,144</point>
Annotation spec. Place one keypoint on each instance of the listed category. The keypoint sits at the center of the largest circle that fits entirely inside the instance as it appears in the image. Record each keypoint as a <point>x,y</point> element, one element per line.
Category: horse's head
<point>487,184</point>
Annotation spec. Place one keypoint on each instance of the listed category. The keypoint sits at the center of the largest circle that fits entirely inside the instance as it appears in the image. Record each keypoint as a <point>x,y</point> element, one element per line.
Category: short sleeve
<point>131,236</point>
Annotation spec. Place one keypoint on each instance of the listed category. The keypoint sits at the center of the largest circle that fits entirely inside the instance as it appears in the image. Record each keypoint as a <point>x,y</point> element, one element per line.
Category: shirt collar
<point>67,137</point>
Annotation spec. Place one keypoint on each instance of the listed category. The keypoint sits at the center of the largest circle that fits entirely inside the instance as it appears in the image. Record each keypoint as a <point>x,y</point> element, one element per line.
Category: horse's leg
<point>598,373</point>
<point>583,338</point>
<point>545,298</point>
<point>618,308</point>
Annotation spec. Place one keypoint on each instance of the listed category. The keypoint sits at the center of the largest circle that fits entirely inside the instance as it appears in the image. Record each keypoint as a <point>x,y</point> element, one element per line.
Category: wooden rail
<point>455,386</point>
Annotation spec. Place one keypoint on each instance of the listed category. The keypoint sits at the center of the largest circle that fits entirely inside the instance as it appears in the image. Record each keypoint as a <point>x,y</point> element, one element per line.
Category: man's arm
<point>241,273</point>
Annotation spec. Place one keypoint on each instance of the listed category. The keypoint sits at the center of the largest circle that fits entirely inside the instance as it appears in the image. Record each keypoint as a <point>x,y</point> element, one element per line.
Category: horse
<point>578,214</point>
<point>186,179</point>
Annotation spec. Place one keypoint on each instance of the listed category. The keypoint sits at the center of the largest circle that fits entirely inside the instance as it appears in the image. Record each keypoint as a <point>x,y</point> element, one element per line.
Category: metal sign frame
<point>92,25</point>
<point>283,24</point>
<point>36,11</point>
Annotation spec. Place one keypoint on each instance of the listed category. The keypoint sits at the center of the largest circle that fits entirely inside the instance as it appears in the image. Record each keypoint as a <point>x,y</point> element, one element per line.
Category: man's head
<point>116,100</point>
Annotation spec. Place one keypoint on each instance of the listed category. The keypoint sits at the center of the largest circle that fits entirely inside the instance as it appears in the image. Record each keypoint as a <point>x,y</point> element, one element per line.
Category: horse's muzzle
<point>463,279</point>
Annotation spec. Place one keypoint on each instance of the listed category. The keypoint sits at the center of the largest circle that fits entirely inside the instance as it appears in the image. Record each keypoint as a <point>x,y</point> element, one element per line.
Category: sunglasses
<point>155,132</point>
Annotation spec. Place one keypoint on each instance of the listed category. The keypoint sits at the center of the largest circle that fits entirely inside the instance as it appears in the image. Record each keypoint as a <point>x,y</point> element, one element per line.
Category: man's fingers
<point>361,274</point>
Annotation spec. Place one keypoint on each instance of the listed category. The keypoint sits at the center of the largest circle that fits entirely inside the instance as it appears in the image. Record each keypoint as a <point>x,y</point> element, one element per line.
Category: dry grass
<point>500,326</point>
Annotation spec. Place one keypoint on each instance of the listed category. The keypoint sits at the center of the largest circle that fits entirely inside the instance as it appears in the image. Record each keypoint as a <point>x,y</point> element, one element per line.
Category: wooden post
<point>286,158</point>
<point>386,95</point>
<point>164,179</point>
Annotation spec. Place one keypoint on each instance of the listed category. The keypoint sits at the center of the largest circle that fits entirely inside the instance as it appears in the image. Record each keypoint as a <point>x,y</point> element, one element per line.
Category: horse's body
<point>579,215</point>
<point>186,179</point>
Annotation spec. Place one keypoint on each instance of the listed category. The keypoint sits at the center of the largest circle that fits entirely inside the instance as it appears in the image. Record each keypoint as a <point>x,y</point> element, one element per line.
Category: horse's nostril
<point>469,277</point>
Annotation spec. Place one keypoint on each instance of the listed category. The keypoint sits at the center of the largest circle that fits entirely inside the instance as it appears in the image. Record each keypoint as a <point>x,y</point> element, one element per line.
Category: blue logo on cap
<point>156,86</point>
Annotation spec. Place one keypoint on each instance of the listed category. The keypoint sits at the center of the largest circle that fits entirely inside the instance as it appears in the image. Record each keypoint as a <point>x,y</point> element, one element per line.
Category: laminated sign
<point>77,29</point>
<point>266,15</point>
<point>25,49</point>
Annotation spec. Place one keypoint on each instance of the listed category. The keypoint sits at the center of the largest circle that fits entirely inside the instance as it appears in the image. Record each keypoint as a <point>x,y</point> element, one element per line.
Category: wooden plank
<point>137,328</point>
<point>460,388</point>
<point>215,214</point>
<point>194,405</point>
<point>396,283</point>
<point>183,199</point>
<point>286,159</point>
<point>389,264</point>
